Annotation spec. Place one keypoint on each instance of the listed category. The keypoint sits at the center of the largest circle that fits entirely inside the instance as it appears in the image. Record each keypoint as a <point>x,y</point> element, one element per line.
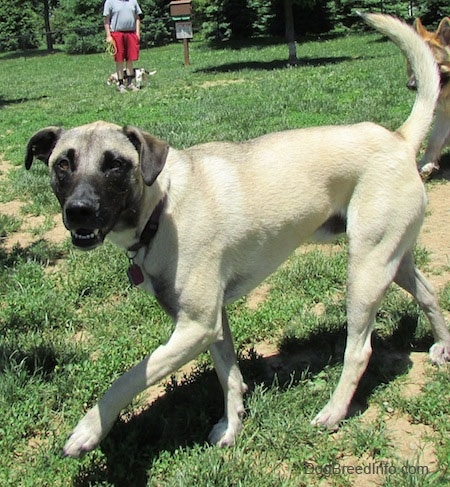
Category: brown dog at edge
<point>439,43</point>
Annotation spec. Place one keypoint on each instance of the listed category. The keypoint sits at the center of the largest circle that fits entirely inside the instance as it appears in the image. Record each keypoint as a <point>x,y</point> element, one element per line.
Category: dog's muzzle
<point>81,217</point>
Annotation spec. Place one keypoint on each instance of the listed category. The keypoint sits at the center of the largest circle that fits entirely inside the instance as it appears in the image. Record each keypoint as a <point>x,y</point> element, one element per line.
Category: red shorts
<point>127,45</point>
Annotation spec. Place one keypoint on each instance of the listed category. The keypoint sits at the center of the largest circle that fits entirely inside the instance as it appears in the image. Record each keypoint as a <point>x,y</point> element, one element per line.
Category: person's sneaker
<point>132,87</point>
<point>122,89</point>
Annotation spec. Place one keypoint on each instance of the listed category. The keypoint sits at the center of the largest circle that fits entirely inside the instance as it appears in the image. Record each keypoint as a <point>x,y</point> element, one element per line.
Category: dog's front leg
<point>187,341</point>
<point>225,431</point>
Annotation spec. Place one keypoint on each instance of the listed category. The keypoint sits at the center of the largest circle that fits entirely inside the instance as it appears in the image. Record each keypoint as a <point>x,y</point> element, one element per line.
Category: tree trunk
<point>48,34</point>
<point>290,32</point>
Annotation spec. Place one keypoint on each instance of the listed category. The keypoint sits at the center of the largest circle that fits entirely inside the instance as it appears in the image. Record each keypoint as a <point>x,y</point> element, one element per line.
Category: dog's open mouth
<point>87,239</point>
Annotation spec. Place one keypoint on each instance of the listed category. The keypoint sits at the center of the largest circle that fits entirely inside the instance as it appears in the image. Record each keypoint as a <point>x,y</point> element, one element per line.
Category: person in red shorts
<point>122,22</point>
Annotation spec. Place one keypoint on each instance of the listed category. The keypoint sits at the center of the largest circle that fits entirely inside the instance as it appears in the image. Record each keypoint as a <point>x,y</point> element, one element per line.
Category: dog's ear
<point>418,26</point>
<point>443,31</point>
<point>41,145</point>
<point>152,153</point>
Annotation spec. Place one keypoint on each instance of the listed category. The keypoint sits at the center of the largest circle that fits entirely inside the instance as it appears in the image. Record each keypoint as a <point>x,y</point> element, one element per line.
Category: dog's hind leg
<point>411,279</point>
<point>371,270</point>
<point>225,431</point>
<point>188,340</point>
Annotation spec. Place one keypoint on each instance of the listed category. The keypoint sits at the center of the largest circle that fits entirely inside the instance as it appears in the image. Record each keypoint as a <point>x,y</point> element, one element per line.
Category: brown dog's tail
<point>424,68</point>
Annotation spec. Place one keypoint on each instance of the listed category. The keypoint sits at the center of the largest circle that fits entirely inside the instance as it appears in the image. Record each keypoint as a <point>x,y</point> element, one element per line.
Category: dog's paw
<point>224,434</point>
<point>86,436</point>
<point>440,353</point>
<point>427,170</point>
<point>329,417</point>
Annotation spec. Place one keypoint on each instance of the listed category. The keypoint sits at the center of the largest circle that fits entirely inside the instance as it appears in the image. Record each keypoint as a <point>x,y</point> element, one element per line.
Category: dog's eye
<point>63,165</point>
<point>115,164</point>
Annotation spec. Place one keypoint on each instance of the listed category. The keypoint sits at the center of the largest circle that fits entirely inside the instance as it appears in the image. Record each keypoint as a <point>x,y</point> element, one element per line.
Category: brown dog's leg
<point>411,279</point>
<point>438,139</point>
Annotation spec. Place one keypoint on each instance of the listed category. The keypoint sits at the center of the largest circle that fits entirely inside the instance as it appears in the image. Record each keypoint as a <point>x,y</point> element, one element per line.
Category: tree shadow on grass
<point>185,414</point>
<point>30,53</point>
<point>273,65</point>
<point>264,42</point>
<point>276,64</point>
<point>39,359</point>
<point>41,251</point>
<point>18,101</point>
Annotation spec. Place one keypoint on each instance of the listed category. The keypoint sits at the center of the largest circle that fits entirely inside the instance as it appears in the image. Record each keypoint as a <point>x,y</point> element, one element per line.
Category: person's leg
<point>119,58</point>
<point>130,73</point>
<point>132,54</point>
<point>120,71</point>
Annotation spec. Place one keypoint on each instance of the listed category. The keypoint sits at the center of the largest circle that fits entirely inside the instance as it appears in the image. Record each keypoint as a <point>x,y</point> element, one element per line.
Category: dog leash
<point>135,274</point>
<point>111,48</point>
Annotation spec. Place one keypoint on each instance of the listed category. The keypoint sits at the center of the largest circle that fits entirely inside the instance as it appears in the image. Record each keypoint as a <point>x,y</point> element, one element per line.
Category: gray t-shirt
<point>122,14</point>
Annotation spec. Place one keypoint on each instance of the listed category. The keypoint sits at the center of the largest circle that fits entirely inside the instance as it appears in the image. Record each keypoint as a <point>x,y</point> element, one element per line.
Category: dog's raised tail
<point>425,70</point>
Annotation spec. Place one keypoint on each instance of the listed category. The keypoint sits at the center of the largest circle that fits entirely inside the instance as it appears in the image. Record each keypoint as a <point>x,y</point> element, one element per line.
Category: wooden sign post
<point>180,11</point>
<point>183,31</point>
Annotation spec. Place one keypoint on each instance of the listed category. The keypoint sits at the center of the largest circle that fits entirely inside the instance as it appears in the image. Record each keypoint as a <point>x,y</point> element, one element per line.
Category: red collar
<point>151,227</point>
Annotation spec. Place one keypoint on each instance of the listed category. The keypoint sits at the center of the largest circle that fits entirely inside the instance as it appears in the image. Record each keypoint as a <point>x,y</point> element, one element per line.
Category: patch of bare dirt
<point>258,296</point>
<point>417,375</point>
<point>30,225</point>
<point>221,82</point>
<point>435,234</point>
<point>409,443</point>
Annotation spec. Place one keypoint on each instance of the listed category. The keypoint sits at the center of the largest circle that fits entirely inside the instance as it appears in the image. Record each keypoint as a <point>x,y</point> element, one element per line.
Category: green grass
<point>8,225</point>
<point>67,332</point>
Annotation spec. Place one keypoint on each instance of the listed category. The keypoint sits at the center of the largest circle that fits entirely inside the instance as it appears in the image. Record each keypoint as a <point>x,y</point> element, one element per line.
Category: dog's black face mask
<point>98,175</point>
<point>96,202</point>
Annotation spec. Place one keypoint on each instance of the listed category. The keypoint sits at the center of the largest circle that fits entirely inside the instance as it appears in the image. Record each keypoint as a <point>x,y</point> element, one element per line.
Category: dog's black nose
<point>81,213</point>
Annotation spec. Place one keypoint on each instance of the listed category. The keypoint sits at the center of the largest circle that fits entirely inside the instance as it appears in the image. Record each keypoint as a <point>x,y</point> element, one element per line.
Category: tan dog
<point>207,224</point>
<point>439,43</point>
